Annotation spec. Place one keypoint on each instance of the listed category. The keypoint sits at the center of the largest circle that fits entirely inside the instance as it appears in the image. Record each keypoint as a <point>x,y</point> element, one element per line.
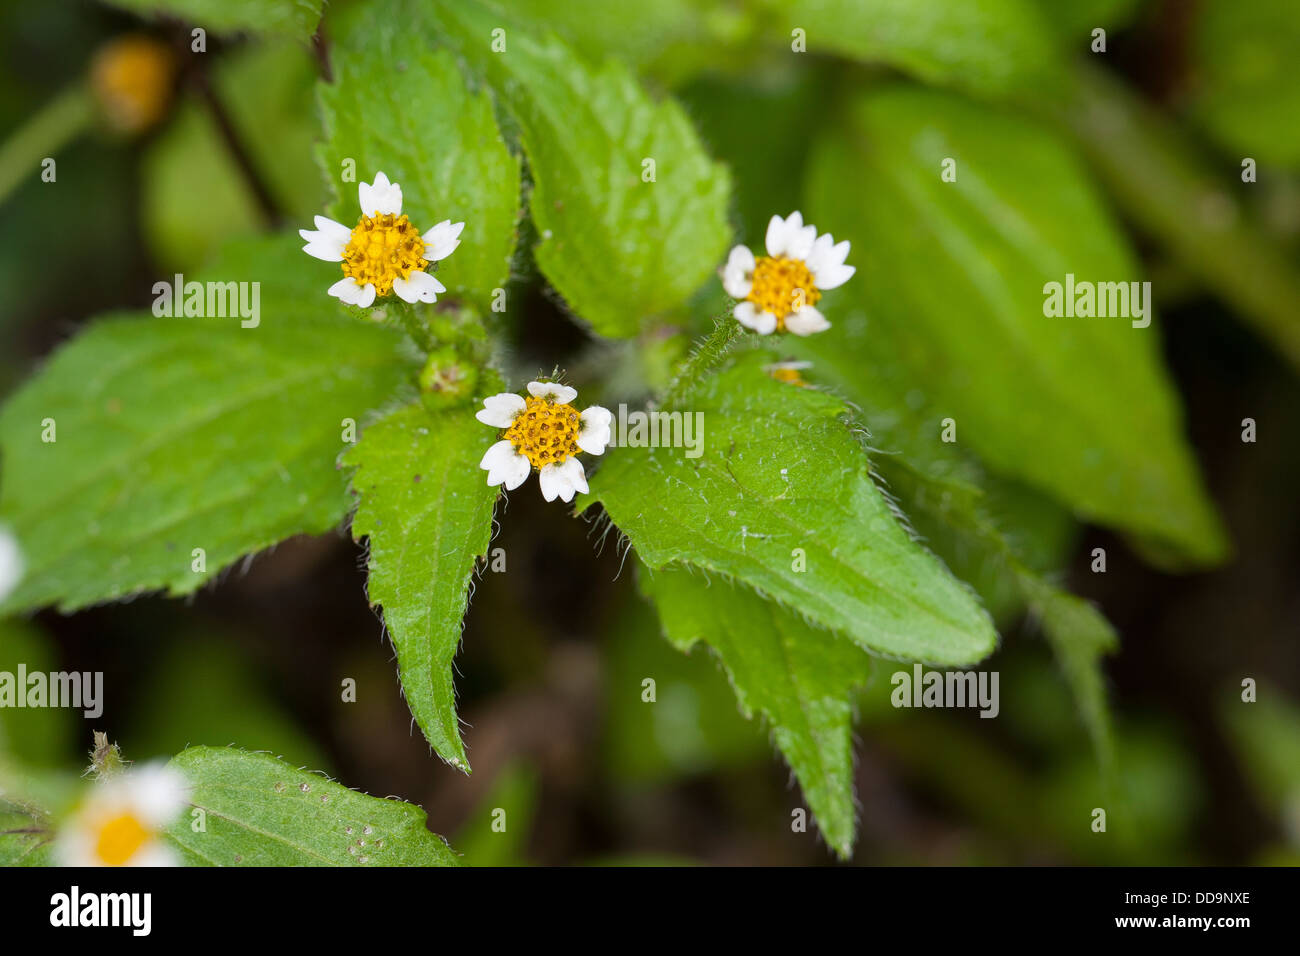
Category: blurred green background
<point>555,650</point>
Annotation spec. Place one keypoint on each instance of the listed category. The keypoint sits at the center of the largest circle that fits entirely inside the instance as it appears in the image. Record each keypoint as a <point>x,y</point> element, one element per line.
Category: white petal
<point>764,323</point>
<point>741,258</point>
<point>499,411</point>
<point>327,241</point>
<point>736,283</point>
<point>833,276</point>
<point>442,240</point>
<point>560,394</point>
<point>418,287</point>
<point>380,198</point>
<point>353,294</point>
<point>806,321</point>
<point>325,249</point>
<point>563,480</point>
<point>799,242</point>
<point>822,252</point>
<point>157,793</point>
<point>505,466</point>
<point>11,563</point>
<point>155,853</point>
<point>780,232</point>
<point>593,436</point>
<point>577,474</point>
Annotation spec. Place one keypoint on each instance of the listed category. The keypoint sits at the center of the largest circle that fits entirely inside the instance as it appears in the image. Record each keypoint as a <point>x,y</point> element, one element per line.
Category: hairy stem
<point>706,357</point>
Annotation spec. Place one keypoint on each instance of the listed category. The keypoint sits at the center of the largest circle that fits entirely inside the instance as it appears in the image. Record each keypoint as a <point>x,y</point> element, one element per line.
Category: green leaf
<point>618,248</point>
<point>955,519</point>
<point>694,726</point>
<point>211,689</point>
<point>992,48</point>
<point>262,812</point>
<point>669,37</point>
<point>427,511</point>
<point>35,736</point>
<point>174,434</point>
<point>24,841</point>
<point>951,278</point>
<point>780,470</point>
<point>798,677</point>
<point>295,18</point>
<point>1245,91</point>
<point>397,106</point>
<point>944,493</point>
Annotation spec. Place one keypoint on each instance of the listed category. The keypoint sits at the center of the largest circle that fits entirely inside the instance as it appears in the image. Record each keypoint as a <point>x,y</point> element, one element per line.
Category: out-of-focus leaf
<point>497,833</point>
<point>763,130</point>
<point>692,726</point>
<point>992,48</point>
<point>953,274</point>
<point>400,107</point>
<point>667,38</point>
<point>294,18</point>
<point>194,196</point>
<point>1267,734</point>
<point>1075,21</point>
<point>427,512</point>
<point>1245,88</point>
<point>263,812</point>
<point>619,243</point>
<point>208,692</point>
<point>799,678</point>
<point>961,512</point>
<point>175,434</point>
<point>782,483</point>
<point>34,736</point>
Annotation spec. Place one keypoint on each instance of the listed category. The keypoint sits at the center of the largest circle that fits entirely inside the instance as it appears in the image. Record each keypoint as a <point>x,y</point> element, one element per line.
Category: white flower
<point>384,253</point>
<point>543,431</point>
<point>118,822</point>
<point>11,563</point>
<point>780,291</point>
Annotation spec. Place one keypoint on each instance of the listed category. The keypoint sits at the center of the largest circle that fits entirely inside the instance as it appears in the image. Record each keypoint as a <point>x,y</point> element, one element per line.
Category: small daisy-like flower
<point>383,254</point>
<point>11,563</point>
<point>543,431</point>
<point>119,821</point>
<point>790,373</point>
<point>780,290</point>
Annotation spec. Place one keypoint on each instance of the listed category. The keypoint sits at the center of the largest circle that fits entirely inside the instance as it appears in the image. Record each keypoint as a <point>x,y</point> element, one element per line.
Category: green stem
<point>414,326</point>
<point>703,360</point>
<point>1173,195</point>
<point>42,136</point>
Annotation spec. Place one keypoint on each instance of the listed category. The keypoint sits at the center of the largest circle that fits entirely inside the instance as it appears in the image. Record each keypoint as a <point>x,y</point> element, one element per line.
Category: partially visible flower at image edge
<point>384,253</point>
<point>118,822</point>
<point>779,292</point>
<point>11,563</point>
<point>543,431</point>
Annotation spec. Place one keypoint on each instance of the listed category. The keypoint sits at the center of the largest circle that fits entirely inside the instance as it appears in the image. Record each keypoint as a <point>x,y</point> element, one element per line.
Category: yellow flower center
<point>781,286</point>
<point>544,432</point>
<point>132,79</point>
<point>788,375</point>
<point>119,839</point>
<point>383,248</point>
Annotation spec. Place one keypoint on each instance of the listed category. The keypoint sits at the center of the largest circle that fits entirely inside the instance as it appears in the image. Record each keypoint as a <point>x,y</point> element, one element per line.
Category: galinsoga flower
<point>384,253</point>
<point>780,291</point>
<point>791,373</point>
<point>543,431</point>
<point>119,821</point>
